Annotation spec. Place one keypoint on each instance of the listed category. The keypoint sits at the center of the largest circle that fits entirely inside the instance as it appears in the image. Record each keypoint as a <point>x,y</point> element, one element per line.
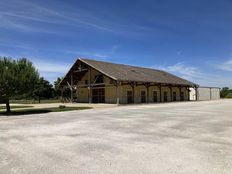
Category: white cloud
<point>226,66</point>
<point>15,17</point>
<point>51,70</point>
<point>13,23</point>
<point>196,75</point>
<point>101,54</point>
<point>188,72</point>
<point>51,67</point>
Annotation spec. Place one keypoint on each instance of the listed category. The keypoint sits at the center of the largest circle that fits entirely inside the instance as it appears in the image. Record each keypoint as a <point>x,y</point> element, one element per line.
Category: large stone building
<point>103,82</point>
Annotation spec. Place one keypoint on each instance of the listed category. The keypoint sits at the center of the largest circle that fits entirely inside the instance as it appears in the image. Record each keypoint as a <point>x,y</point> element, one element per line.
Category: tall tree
<point>17,77</point>
<point>57,89</point>
<point>43,89</point>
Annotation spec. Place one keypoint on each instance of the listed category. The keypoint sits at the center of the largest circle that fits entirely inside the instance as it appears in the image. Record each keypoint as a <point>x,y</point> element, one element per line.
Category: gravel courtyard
<point>181,138</point>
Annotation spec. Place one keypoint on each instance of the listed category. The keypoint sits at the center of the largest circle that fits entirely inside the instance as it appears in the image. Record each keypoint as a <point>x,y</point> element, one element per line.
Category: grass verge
<point>35,101</point>
<point>14,107</point>
<point>42,110</point>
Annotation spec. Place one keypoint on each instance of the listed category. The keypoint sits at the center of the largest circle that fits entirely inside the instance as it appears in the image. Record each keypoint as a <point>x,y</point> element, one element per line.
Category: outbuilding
<point>203,93</point>
<point>104,82</point>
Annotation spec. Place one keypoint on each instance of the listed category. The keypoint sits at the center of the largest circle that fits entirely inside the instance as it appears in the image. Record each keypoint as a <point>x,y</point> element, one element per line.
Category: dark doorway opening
<point>155,96</point>
<point>165,96</point>
<point>98,95</point>
<point>174,96</point>
<point>129,97</point>
<point>143,97</point>
<point>182,96</point>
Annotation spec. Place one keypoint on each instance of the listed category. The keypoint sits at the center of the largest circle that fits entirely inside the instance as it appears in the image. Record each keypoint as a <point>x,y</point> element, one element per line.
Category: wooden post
<point>133,91</point>
<point>89,86</point>
<point>147,85</point>
<point>210,93</point>
<point>118,93</point>
<point>8,110</point>
<point>188,94</point>
<point>171,93</point>
<point>147,94</point>
<point>62,94</point>
<point>160,93</point>
<point>71,89</point>
<point>180,93</point>
<point>196,90</point>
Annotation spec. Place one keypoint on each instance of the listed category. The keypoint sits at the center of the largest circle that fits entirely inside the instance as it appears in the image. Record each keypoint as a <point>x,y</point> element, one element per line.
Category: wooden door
<point>174,96</point>
<point>129,97</point>
<point>143,97</point>
<point>155,96</point>
<point>182,96</point>
<point>98,95</point>
<point>165,96</point>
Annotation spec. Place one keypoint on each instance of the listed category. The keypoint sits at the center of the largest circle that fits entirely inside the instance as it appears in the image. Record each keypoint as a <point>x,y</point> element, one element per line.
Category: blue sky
<point>192,39</point>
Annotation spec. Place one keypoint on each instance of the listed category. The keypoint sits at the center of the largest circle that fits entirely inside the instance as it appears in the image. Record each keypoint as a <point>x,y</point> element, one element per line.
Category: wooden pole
<point>196,89</point>
<point>147,85</point>
<point>160,93</point>
<point>62,94</point>
<point>171,93</point>
<point>89,85</point>
<point>188,94</point>
<point>71,89</point>
<point>8,110</point>
<point>118,93</point>
<point>180,94</point>
<point>133,93</point>
<point>210,93</point>
<point>147,94</point>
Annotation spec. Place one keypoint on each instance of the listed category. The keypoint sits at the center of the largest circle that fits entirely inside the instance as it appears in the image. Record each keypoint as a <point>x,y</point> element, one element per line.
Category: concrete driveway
<point>179,138</point>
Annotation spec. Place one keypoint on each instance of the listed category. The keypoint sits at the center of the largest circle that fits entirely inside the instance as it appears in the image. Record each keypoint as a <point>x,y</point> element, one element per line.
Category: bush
<point>62,106</point>
<point>229,95</point>
<point>224,91</point>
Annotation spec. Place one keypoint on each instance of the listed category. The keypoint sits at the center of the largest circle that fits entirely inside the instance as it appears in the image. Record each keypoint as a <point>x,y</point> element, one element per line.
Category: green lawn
<point>35,101</point>
<point>13,107</point>
<point>40,111</point>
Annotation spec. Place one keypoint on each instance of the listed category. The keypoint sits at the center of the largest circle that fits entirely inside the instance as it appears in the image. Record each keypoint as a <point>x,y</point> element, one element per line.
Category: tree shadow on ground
<point>41,111</point>
<point>24,112</point>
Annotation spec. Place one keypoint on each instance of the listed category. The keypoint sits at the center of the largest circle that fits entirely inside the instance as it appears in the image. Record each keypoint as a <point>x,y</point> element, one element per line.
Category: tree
<point>57,89</point>
<point>225,91</point>
<point>17,77</point>
<point>229,95</point>
<point>43,89</point>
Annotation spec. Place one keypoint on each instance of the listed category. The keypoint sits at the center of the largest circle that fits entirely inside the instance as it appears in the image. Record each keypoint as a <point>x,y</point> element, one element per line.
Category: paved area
<point>179,138</point>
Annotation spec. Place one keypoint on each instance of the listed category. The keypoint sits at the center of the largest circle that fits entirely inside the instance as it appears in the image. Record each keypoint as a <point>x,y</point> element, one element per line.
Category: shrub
<point>229,95</point>
<point>62,106</point>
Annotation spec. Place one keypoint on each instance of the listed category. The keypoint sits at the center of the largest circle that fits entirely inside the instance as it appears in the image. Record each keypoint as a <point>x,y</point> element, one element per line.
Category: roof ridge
<point>135,66</point>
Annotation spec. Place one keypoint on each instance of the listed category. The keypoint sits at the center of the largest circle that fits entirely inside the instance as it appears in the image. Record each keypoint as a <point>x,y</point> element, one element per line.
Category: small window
<point>99,79</point>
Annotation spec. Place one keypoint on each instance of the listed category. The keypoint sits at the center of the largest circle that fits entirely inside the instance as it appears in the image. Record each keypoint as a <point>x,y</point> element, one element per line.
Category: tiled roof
<point>128,73</point>
<point>123,72</point>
